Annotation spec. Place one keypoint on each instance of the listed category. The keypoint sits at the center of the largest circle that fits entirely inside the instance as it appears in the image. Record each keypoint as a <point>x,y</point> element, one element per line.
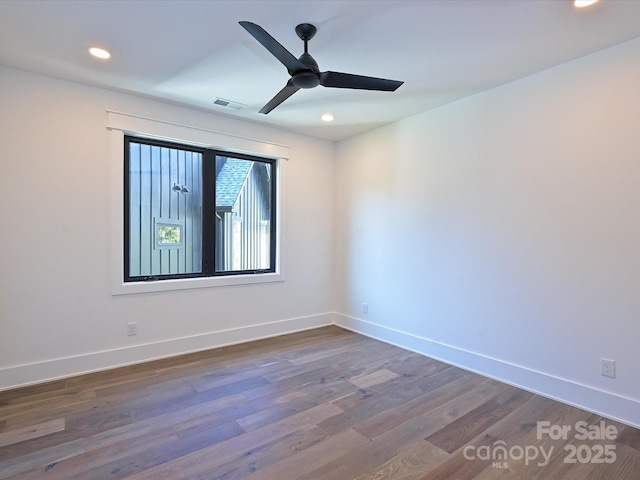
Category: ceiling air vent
<point>221,102</point>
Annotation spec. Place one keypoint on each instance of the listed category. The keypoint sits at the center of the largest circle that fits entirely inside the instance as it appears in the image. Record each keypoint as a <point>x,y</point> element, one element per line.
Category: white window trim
<point>121,124</point>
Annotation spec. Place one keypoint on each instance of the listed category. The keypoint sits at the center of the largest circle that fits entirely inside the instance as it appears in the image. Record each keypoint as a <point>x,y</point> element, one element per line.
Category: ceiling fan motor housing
<point>307,78</point>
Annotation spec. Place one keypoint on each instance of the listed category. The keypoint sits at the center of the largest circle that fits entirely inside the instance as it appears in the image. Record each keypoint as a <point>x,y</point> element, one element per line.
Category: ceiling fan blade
<point>280,97</point>
<point>348,80</point>
<point>286,58</point>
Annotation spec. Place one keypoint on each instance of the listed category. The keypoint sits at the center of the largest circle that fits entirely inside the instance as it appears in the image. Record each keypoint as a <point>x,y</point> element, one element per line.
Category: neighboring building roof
<point>230,181</point>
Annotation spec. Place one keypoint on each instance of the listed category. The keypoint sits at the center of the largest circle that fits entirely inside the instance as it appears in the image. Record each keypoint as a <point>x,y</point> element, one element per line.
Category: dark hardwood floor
<point>322,404</point>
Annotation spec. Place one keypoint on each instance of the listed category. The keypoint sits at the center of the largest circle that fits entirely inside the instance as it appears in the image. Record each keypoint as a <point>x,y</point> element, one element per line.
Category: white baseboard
<point>39,372</point>
<point>607,404</point>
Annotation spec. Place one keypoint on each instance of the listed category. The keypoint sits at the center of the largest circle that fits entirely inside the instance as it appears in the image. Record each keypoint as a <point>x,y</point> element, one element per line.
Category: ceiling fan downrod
<point>306,78</point>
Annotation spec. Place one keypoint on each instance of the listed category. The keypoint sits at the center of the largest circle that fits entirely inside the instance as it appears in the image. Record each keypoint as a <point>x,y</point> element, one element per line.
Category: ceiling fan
<point>304,71</point>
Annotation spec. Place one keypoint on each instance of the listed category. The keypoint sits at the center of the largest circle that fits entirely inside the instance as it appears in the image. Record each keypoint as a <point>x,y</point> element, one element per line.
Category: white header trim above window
<point>149,127</point>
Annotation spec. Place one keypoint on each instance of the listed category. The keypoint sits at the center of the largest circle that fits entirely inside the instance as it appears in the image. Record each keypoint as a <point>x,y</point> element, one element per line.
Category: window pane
<point>165,211</point>
<point>243,214</point>
<point>192,212</point>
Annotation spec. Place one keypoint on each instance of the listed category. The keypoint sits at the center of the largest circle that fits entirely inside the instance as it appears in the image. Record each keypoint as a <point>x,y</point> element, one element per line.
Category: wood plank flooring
<point>322,404</point>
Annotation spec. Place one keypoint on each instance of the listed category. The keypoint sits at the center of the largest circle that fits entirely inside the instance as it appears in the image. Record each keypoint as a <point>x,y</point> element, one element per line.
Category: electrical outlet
<point>608,367</point>
<point>365,308</point>
<point>132,329</point>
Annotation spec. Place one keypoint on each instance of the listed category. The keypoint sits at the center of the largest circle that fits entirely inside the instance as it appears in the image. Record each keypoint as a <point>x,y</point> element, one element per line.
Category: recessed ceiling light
<point>99,53</point>
<point>583,3</point>
<point>327,117</point>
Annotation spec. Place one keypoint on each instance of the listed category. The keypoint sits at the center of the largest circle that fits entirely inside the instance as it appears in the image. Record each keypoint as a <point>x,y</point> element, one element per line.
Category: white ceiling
<point>190,52</point>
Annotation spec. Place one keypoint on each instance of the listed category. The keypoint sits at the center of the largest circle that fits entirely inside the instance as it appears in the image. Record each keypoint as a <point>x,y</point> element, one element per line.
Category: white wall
<point>501,232</point>
<point>57,314</point>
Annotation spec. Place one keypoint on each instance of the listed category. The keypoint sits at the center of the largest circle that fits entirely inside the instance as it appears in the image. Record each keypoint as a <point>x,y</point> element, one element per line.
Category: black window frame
<point>209,234</point>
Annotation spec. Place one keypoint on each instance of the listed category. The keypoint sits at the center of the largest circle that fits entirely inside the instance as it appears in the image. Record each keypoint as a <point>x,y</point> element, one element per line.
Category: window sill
<point>191,283</point>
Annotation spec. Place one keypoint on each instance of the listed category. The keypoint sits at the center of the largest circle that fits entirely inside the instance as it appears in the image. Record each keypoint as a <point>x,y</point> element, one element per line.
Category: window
<point>194,212</point>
